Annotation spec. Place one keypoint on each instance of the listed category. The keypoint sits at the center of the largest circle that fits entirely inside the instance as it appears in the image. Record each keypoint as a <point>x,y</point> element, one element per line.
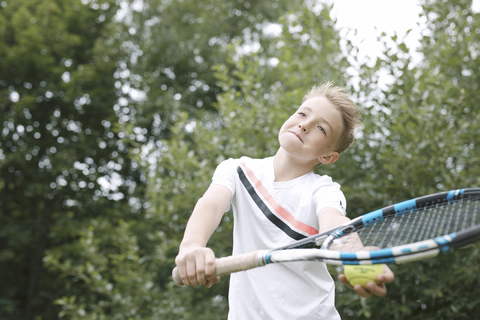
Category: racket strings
<point>418,225</point>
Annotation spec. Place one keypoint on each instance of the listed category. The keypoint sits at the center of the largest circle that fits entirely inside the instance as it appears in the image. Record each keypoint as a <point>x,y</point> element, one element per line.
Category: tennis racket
<point>407,231</point>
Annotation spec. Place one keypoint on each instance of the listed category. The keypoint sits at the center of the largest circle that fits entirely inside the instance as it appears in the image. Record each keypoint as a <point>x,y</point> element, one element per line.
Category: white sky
<point>363,21</point>
<point>372,17</point>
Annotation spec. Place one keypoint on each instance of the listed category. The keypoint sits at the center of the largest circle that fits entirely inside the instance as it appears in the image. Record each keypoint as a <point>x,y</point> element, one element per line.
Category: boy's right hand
<point>196,266</point>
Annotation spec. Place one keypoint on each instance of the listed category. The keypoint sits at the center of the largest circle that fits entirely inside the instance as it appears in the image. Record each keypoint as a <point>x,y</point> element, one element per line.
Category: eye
<point>322,129</point>
<point>302,114</point>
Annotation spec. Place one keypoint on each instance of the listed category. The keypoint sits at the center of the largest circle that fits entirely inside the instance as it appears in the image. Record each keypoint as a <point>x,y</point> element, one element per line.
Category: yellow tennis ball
<point>362,274</point>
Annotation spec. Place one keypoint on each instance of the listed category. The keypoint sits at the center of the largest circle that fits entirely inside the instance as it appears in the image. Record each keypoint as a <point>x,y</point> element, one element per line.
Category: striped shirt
<point>267,215</point>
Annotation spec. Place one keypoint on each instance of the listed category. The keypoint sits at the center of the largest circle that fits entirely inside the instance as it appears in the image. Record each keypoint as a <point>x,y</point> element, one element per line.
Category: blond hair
<point>342,101</point>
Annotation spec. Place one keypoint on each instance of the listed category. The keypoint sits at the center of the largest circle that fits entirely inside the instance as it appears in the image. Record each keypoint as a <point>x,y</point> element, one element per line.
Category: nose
<point>302,127</point>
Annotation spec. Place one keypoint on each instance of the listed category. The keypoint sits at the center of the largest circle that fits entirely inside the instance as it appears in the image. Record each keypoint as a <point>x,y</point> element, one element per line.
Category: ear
<point>330,158</point>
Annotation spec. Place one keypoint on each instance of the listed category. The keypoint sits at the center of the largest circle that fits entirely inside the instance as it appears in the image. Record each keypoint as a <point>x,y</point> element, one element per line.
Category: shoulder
<point>323,187</point>
<point>232,164</point>
<point>323,181</point>
<point>248,162</point>
<point>328,193</point>
<point>239,160</point>
<point>255,160</point>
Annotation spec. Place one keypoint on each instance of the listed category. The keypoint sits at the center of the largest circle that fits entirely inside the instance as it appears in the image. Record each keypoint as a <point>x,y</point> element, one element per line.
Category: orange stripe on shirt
<point>287,216</point>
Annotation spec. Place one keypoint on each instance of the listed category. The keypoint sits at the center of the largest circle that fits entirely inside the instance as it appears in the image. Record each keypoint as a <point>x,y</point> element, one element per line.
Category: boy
<point>276,201</point>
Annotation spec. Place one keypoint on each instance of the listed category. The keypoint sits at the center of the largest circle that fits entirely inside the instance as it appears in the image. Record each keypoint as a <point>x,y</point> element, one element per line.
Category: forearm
<point>205,218</point>
<point>330,218</point>
<point>196,262</point>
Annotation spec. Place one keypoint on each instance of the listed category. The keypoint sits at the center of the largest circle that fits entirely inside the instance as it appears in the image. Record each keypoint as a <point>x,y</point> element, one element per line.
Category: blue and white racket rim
<point>457,212</point>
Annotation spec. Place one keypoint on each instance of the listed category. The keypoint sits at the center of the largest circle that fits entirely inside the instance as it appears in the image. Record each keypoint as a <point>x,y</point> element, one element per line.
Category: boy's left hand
<point>372,288</point>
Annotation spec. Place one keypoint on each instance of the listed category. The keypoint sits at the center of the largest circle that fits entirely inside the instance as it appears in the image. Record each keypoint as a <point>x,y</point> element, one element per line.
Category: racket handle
<point>227,265</point>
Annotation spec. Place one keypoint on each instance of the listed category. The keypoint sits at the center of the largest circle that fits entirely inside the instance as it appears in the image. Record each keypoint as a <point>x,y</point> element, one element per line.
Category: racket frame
<point>315,248</point>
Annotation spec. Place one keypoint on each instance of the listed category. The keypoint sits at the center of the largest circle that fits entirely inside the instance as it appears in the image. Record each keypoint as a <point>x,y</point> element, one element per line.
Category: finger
<point>210,282</point>
<point>387,276</point>
<point>209,265</point>
<point>200,271</point>
<point>377,289</point>
<point>191,268</point>
<point>180,262</point>
<point>207,270</point>
<point>183,275</point>
<point>361,291</point>
<point>343,279</point>
<point>183,272</point>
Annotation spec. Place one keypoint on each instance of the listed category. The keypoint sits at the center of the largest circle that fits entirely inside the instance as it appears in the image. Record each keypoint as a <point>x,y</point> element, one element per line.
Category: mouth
<point>297,135</point>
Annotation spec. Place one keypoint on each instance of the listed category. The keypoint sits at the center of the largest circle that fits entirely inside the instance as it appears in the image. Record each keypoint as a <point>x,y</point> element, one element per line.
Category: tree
<point>173,46</point>
<point>152,100</point>
<point>260,91</point>
<point>57,93</point>
<point>419,138</point>
<point>400,153</point>
<point>122,267</point>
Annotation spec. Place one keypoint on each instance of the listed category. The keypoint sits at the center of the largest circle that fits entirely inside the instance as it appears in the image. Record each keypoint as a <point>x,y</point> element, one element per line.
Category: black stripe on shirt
<point>266,211</point>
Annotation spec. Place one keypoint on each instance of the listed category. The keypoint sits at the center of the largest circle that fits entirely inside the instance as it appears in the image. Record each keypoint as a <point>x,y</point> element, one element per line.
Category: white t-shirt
<point>268,215</point>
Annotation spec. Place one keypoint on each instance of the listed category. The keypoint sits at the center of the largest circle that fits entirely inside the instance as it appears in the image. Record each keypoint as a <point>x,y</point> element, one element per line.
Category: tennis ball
<point>362,274</point>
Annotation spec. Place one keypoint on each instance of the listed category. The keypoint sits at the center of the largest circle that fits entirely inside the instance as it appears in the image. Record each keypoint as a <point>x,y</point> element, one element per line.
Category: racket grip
<point>227,265</point>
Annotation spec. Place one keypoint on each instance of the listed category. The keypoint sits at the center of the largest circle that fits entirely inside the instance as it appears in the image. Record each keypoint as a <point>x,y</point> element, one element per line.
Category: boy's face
<point>312,131</point>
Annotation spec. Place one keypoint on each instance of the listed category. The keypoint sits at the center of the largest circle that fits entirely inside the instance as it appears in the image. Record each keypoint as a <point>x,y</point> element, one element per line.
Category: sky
<point>372,17</point>
<point>362,21</point>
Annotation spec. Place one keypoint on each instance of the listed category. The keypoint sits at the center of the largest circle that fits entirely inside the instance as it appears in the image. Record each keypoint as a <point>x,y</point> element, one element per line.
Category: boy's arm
<point>329,218</point>
<point>196,262</point>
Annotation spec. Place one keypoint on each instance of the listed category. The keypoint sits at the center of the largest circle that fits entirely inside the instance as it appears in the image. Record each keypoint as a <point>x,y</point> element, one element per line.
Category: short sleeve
<point>226,174</point>
<point>330,197</point>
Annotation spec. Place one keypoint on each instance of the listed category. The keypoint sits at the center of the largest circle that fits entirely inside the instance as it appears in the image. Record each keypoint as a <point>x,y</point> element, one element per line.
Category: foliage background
<point>115,114</point>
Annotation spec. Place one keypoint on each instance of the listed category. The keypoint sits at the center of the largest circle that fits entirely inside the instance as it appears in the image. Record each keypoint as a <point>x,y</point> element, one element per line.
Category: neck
<point>287,168</point>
